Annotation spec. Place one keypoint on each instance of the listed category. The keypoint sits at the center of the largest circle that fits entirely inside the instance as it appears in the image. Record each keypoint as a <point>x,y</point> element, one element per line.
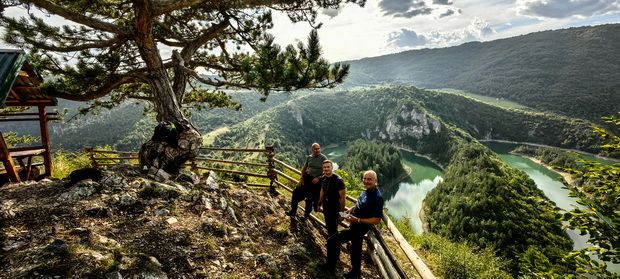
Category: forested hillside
<point>383,158</point>
<point>396,115</point>
<point>566,71</point>
<point>126,127</point>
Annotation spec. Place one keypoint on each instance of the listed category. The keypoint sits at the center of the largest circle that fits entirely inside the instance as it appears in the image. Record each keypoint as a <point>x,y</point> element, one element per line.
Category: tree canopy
<point>159,51</point>
<point>113,50</point>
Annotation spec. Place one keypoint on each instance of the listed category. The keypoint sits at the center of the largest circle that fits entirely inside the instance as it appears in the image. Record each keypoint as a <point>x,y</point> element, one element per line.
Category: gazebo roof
<point>20,81</point>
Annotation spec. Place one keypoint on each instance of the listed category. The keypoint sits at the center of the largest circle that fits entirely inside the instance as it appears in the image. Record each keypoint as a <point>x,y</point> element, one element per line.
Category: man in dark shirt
<point>366,213</point>
<point>332,197</point>
<point>308,187</point>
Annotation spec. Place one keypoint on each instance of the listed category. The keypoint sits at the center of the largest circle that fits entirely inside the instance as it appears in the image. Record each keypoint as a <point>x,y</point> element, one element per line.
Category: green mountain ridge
<point>566,71</point>
<point>408,117</point>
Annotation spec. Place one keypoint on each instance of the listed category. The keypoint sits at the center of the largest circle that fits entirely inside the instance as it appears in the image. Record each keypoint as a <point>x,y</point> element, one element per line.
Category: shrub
<point>459,260</point>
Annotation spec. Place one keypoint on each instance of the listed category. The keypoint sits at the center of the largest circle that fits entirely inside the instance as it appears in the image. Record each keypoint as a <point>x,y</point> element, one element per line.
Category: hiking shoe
<point>352,274</point>
<point>323,266</point>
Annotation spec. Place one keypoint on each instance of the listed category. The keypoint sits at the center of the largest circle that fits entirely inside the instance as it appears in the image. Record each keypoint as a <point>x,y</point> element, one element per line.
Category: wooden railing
<point>381,253</point>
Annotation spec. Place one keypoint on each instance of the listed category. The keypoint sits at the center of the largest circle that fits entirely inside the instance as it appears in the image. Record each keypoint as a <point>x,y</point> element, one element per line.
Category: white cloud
<point>405,39</point>
<point>566,8</point>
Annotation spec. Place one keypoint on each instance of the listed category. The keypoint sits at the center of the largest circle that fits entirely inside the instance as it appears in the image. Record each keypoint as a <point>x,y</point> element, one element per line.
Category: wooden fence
<point>382,255</point>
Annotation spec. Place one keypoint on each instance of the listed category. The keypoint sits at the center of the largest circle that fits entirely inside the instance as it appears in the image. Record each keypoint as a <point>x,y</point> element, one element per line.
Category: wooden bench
<point>24,157</point>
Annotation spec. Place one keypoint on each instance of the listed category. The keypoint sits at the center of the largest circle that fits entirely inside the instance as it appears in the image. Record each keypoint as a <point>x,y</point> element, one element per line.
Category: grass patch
<point>459,260</point>
<point>210,137</point>
<point>487,99</point>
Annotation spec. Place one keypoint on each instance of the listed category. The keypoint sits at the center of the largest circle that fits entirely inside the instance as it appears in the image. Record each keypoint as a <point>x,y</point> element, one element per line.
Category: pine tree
<point>114,50</point>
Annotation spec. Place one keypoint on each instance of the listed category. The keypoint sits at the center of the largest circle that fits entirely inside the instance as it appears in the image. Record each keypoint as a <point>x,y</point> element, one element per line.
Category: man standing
<point>308,187</point>
<point>366,213</point>
<point>332,197</point>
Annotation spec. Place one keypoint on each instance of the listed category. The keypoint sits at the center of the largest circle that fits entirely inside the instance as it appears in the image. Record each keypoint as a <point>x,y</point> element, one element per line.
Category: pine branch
<point>79,18</point>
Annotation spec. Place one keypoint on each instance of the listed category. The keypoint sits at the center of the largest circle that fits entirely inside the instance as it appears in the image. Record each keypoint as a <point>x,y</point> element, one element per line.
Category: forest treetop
<point>115,49</point>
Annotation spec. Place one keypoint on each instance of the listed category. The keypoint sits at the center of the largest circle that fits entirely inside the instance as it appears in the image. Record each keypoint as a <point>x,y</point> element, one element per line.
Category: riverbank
<point>550,146</point>
<point>421,155</point>
<point>566,176</point>
<point>407,173</point>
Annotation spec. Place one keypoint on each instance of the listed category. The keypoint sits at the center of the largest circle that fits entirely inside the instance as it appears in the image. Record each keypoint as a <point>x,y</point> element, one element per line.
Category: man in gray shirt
<point>308,187</point>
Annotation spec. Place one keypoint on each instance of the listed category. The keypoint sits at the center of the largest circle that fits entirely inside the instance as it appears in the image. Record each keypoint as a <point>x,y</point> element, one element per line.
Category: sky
<point>384,27</point>
<point>390,26</point>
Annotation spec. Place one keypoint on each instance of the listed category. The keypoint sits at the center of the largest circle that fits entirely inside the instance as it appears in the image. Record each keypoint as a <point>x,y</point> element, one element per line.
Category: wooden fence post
<point>270,170</point>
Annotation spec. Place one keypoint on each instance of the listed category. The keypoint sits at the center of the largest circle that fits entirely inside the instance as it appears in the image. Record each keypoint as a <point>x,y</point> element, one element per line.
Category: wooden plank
<point>285,176</point>
<point>389,253</point>
<point>385,261</point>
<point>258,185</point>
<point>234,172</point>
<point>26,114</point>
<point>375,258</point>
<point>115,164</point>
<point>285,165</point>
<point>283,186</point>
<point>26,153</point>
<point>413,257</point>
<point>90,150</point>
<point>230,162</point>
<point>19,119</point>
<point>113,158</point>
<point>235,149</point>
<point>45,140</point>
<point>7,160</point>
<point>29,103</point>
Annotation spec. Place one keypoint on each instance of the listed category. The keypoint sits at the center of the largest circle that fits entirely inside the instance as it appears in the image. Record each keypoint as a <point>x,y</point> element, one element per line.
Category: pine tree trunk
<point>162,155</point>
<point>167,102</point>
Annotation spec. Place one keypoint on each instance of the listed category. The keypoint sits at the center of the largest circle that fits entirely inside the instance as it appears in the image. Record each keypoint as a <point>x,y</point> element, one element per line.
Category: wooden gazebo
<point>19,87</point>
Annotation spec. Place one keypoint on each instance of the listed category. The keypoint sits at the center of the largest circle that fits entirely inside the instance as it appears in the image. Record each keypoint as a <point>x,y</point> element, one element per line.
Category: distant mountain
<point>573,72</point>
<point>408,117</point>
<point>126,127</point>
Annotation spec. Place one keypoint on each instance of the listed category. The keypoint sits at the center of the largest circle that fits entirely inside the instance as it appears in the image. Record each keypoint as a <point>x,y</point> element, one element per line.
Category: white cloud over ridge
<point>404,39</point>
<point>566,8</point>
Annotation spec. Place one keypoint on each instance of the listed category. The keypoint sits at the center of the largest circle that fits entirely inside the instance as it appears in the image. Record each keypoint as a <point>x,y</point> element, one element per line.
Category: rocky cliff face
<point>296,114</point>
<point>409,122</point>
<point>130,225</point>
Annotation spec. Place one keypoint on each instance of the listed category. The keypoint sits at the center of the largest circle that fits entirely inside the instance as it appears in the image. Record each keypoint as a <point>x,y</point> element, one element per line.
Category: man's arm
<point>321,198</point>
<point>366,221</point>
<point>342,198</point>
<point>301,178</point>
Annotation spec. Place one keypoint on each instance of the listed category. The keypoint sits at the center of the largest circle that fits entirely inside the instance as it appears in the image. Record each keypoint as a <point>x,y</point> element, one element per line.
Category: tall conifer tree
<point>154,50</point>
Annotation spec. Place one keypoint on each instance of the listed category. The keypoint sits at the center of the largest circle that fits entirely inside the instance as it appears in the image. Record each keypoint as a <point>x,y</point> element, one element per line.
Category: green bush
<point>64,162</point>
<point>459,260</point>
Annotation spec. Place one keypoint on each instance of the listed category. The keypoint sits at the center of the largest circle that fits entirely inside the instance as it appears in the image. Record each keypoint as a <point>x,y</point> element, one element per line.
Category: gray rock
<point>58,246</point>
<point>187,176</point>
<point>128,199</point>
<point>161,176</point>
<point>112,178</point>
<point>153,275</point>
<point>114,275</point>
<point>266,259</point>
<point>82,189</point>
<point>212,181</point>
